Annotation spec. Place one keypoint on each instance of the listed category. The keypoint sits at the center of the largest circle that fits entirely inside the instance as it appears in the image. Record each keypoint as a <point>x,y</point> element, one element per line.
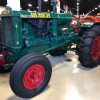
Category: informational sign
<point>14,4</point>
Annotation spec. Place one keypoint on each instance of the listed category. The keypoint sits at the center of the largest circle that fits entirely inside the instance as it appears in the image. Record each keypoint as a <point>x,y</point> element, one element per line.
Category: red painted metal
<point>34,76</point>
<point>96,48</point>
<point>2,58</point>
<point>89,19</point>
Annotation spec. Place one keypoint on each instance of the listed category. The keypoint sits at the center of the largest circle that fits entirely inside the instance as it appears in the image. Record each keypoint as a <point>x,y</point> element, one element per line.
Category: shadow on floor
<point>84,68</point>
<point>14,97</point>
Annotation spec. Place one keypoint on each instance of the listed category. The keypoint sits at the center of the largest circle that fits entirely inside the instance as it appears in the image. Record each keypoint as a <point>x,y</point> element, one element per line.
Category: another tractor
<point>89,42</point>
<point>27,35</point>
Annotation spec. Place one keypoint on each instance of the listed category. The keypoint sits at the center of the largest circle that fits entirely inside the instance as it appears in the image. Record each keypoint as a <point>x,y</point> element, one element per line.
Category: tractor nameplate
<point>40,15</point>
<point>35,15</point>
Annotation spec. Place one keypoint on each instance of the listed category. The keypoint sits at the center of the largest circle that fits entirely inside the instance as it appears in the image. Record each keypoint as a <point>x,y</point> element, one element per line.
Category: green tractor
<point>28,35</point>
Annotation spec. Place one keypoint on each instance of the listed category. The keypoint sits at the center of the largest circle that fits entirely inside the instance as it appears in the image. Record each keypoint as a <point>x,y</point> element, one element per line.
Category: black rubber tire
<point>19,69</point>
<point>57,52</point>
<point>3,70</point>
<point>85,47</point>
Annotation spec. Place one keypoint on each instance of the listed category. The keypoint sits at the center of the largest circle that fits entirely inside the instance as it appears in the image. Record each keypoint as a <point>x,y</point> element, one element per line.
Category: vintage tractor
<point>27,35</point>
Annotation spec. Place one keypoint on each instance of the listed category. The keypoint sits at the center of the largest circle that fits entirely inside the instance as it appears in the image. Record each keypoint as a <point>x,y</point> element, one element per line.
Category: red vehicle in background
<point>89,19</point>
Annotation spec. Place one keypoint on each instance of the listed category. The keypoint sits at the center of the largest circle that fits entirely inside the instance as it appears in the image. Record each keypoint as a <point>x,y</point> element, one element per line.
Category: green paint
<point>24,37</point>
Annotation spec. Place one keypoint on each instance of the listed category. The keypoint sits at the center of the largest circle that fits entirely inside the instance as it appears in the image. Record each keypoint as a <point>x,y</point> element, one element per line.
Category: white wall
<point>14,4</point>
<point>1,9</point>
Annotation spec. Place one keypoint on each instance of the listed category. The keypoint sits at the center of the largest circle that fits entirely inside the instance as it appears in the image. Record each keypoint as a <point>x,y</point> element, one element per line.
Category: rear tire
<point>88,47</point>
<point>30,75</point>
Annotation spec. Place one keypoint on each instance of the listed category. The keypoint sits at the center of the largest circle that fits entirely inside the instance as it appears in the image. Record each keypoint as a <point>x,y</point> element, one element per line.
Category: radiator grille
<point>8,31</point>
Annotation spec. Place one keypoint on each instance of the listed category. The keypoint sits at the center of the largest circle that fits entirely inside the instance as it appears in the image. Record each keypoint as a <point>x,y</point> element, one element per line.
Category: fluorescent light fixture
<point>45,0</point>
<point>30,5</point>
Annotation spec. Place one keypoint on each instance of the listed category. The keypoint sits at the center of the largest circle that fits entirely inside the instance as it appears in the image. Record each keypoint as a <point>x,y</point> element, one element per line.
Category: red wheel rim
<point>96,48</point>
<point>34,76</point>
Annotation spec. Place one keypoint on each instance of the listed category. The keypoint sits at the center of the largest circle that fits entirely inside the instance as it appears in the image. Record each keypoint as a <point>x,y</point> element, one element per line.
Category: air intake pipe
<point>54,3</point>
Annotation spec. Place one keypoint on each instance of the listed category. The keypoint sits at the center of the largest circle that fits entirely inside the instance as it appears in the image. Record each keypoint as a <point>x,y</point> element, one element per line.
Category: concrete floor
<point>70,81</point>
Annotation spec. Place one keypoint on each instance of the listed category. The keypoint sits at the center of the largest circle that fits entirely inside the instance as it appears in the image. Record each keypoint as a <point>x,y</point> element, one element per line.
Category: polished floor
<point>70,81</point>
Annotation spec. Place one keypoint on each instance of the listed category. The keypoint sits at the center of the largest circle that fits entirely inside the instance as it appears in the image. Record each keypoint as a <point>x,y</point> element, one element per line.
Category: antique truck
<point>28,35</point>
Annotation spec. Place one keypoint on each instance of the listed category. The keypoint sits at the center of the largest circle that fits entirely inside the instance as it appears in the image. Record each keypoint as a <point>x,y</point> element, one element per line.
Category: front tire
<point>89,47</point>
<point>30,75</point>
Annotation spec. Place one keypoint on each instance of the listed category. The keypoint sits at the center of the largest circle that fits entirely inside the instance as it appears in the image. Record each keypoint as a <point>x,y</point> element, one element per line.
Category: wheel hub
<point>34,76</point>
<point>96,48</point>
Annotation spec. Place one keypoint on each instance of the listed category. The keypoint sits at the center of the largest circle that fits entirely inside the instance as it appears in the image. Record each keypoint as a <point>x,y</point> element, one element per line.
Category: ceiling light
<point>99,6</point>
<point>30,5</point>
<point>37,7</point>
<point>96,8</point>
<point>77,3</point>
<point>45,0</point>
